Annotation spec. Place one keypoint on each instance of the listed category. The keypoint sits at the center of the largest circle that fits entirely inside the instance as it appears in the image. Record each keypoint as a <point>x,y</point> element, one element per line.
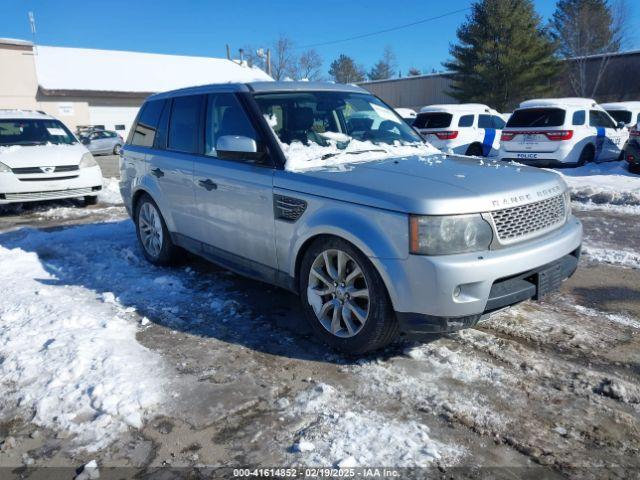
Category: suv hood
<point>432,185</point>
<point>41,155</point>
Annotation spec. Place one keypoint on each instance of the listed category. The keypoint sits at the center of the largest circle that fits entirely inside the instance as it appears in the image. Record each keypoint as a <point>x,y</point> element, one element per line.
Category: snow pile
<point>70,359</point>
<point>302,157</point>
<point>9,149</point>
<point>110,193</point>
<point>348,435</point>
<point>603,183</point>
<point>625,258</point>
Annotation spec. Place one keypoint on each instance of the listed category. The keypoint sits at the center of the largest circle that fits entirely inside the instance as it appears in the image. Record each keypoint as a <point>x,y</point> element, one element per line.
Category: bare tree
<point>284,61</point>
<point>413,72</point>
<point>584,28</point>
<point>309,66</point>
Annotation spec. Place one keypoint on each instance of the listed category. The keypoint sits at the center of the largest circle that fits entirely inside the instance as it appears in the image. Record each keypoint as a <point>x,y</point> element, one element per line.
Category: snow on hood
<point>49,155</point>
<point>302,157</point>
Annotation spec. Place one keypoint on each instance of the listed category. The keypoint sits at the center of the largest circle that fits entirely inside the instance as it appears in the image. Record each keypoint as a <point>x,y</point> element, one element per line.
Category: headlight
<point>87,160</point>
<point>4,168</point>
<point>444,235</point>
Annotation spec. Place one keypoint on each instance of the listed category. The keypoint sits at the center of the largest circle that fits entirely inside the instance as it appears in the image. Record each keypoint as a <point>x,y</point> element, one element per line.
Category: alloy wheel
<point>338,293</point>
<point>150,227</point>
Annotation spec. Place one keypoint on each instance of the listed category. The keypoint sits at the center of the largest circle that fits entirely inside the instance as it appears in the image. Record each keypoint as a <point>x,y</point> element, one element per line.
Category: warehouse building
<point>104,88</point>
<point>618,83</point>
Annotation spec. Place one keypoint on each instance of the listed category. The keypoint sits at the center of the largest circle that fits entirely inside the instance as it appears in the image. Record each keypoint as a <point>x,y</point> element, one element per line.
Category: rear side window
<point>623,116</point>
<point>484,121</point>
<point>579,117</point>
<point>600,119</point>
<point>184,124</point>
<point>144,133</point>
<point>466,121</point>
<point>537,117</point>
<point>433,120</point>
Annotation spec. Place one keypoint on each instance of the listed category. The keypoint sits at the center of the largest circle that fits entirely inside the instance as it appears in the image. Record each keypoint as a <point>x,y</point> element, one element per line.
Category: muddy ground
<point>552,386</point>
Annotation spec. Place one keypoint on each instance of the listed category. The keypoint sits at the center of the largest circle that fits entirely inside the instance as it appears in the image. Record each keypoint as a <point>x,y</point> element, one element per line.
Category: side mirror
<point>85,141</point>
<point>621,125</point>
<point>237,147</point>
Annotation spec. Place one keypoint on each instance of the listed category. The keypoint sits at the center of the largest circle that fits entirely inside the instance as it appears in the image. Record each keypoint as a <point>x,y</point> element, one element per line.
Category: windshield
<point>34,132</point>
<point>623,116</point>
<point>324,118</point>
<point>537,117</point>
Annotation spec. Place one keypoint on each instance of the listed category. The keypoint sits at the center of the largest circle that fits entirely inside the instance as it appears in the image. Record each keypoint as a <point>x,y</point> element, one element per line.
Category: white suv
<point>562,131</point>
<point>40,159</point>
<point>625,112</point>
<point>466,129</point>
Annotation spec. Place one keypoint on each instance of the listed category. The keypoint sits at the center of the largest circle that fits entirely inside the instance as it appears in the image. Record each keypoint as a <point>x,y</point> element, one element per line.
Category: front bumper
<point>87,182</point>
<point>459,286</point>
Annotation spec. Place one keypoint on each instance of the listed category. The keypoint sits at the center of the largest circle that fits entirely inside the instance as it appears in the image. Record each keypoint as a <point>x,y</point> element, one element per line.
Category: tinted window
<point>119,127</point>
<point>144,132</point>
<point>623,116</point>
<point>225,116</point>
<point>466,121</point>
<point>579,117</point>
<point>600,119</point>
<point>498,122</point>
<point>433,120</point>
<point>537,117</point>
<point>485,121</point>
<point>184,124</point>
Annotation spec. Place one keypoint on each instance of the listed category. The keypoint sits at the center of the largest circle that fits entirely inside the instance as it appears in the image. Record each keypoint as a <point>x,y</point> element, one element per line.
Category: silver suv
<point>323,190</point>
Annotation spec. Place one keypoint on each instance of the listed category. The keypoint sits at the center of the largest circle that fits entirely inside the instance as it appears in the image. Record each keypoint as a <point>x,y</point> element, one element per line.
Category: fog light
<point>456,292</point>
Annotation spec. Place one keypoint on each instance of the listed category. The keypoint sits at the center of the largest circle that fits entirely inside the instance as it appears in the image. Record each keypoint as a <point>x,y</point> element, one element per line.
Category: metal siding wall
<point>412,92</point>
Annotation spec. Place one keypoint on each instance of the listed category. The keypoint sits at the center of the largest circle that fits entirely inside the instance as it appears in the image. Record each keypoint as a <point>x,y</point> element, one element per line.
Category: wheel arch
<point>142,190</point>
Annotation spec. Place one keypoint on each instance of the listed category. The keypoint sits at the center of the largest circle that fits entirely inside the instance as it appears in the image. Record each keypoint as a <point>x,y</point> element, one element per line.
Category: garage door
<point>119,119</point>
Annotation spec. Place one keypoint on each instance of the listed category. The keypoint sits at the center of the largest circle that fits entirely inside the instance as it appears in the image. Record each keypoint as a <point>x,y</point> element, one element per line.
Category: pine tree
<point>504,55</point>
<point>345,70</point>
<point>385,67</point>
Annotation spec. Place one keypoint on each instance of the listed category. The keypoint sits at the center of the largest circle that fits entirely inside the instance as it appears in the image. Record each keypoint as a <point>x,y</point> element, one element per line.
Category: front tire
<point>90,200</point>
<point>586,156</point>
<point>152,233</point>
<point>117,149</point>
<point>475,150</point>
<point>344,298</point>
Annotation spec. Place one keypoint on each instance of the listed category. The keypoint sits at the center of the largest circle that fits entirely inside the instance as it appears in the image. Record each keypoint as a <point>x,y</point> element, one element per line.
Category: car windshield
<point>26,132</point>
<point>329,124</point>
<point>623,116</point>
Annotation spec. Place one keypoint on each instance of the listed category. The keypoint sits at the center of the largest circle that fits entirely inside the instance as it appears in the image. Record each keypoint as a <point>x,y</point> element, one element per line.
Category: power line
<point>386,30</point>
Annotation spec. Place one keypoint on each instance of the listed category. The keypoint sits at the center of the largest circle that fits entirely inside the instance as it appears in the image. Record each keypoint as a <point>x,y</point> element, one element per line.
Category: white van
<point>626,112</point>
<point>40,159</point>
<point>466,129</point>
<point>561,131</point>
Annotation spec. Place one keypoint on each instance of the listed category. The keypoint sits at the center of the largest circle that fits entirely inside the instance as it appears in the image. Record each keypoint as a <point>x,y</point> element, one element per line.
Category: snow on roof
<point>621,105</point>
<point>15,41</point>
<point>559,102</point>
<point>61,68</point>
<point>406,112</point>
<point>457,107</point>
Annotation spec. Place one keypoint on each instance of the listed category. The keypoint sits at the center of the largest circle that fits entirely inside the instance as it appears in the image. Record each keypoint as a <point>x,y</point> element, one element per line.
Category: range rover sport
<point>324,190</point>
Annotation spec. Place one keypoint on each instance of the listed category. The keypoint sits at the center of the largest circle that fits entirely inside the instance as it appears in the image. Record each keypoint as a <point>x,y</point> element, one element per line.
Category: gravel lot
<point>551,386</point>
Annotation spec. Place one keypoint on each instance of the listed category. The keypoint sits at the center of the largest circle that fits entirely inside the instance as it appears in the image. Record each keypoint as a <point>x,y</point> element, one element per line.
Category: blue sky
<point>203,27</point>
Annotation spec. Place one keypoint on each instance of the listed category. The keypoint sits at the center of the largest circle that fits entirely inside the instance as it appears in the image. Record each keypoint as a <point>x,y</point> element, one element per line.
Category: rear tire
<point>586,156</point>
<point>90,200</point>
<point>153,234</point>
<point>117,149</point>
<point>475,150</point>
<point>344,298</point>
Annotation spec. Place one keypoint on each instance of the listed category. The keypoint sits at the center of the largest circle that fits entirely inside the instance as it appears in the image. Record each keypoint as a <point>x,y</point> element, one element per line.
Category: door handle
<point>208,184</point>
<point>157,172</point>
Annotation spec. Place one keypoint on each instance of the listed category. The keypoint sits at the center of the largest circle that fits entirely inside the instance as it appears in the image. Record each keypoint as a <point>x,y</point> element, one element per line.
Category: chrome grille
<point>518,223</point>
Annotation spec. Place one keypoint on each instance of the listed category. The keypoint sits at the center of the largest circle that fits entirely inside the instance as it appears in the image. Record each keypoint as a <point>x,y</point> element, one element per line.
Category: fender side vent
<point>288,209</point>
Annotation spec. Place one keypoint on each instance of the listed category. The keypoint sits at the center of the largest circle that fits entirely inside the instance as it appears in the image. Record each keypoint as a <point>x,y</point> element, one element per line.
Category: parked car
<point>562,132</point>
<point>408,114</point>
<point>625,112</point>
<point>466,129</point>
<point>380,240</point>
<point>632,149</point>
<point>40,159</point>
<point>103,142</point>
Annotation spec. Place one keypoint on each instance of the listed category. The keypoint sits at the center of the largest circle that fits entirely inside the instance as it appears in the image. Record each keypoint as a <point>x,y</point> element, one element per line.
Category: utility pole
<point>269,61</point>
<point>32,25</point>
<point>228,52</point>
